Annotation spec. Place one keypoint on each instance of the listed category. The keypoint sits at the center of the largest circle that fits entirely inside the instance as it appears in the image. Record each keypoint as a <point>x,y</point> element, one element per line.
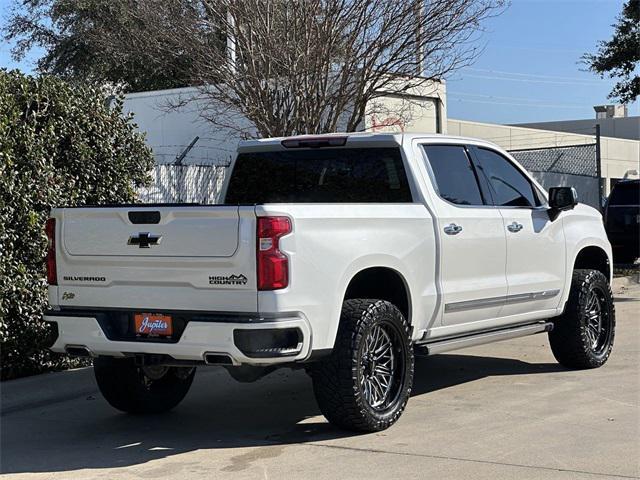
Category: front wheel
<point>140,390</point>
<point>364,385</point>
<point>582,337</point>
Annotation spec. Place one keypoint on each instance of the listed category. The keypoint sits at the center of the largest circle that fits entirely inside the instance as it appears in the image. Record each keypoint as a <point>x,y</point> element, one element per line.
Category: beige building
<point>416,109</point>
<point>612,120</point>
<point>619,157</point>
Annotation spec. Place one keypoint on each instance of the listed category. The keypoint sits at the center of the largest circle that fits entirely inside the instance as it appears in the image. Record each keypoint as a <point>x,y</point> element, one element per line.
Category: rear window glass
<point>625,194</point>
<point>345,175</point>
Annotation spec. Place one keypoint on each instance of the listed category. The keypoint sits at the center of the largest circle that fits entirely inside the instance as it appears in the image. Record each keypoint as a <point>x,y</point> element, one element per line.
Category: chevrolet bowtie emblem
<point>144,239</point>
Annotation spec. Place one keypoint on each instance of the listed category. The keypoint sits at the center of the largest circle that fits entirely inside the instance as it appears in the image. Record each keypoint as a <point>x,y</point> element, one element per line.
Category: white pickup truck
<point>341,254</point>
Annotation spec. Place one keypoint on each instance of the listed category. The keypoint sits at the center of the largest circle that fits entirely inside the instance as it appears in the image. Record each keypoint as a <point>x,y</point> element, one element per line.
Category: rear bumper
<point>199,338</point>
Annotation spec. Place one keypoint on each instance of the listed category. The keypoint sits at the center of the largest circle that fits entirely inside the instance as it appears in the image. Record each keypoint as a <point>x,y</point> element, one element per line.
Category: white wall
<point>169,130</point>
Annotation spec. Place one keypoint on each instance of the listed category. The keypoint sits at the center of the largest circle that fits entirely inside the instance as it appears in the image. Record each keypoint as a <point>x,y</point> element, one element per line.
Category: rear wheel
<point>364,385</point>
<point>583,336</point>
<point>148,389</point>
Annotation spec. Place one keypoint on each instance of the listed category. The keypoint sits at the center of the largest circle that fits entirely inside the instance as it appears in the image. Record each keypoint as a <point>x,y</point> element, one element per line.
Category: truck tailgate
<point>180,232</point>
<point>160,258</point>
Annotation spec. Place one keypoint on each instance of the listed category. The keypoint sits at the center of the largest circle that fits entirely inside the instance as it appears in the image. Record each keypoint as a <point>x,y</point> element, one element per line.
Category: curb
<point>45,389</point>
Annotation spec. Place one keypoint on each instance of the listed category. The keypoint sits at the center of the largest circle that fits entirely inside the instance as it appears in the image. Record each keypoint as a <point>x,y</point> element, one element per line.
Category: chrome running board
<point>433,346</point>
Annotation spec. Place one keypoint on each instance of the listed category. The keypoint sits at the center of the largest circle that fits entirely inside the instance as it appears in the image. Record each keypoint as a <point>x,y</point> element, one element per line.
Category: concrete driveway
<point>499,411</point>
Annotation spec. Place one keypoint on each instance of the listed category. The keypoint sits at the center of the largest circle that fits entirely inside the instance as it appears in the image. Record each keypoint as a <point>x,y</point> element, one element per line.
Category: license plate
<point>153,324</point>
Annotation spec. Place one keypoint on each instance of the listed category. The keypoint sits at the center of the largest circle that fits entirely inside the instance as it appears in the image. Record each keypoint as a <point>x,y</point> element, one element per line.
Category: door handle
<point>514,227</point>
<point>452,229</point>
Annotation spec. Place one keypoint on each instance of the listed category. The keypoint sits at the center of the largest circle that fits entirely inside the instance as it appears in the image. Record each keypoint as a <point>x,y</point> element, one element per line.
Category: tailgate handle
<point>144,217</point>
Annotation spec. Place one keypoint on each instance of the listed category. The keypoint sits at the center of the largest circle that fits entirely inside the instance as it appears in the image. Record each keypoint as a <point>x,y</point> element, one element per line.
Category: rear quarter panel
<point>331,243</point>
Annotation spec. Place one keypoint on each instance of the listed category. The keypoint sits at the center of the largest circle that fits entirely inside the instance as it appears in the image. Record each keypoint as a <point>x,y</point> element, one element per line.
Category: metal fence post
<point>599,167</point>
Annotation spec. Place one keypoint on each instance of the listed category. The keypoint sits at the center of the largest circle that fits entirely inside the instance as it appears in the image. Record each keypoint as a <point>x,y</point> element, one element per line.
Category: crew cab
<point>344,254</point>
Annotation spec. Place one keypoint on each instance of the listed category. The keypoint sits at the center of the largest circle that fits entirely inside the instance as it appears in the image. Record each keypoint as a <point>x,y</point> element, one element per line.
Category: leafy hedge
<point>60,144</point>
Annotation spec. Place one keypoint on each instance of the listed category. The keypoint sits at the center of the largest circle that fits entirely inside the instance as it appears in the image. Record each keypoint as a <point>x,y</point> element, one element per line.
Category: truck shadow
<point>277,411</point>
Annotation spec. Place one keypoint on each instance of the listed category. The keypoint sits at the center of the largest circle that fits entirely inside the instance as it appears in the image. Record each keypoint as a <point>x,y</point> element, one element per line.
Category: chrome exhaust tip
<point>212,358</point>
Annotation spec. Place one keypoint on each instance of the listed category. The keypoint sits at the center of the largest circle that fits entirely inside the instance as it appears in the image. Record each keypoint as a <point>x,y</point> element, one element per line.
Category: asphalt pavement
<point>500,411</point>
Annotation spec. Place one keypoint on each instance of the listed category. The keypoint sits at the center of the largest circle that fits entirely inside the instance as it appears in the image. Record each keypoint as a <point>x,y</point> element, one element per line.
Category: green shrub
<point>60,144</point>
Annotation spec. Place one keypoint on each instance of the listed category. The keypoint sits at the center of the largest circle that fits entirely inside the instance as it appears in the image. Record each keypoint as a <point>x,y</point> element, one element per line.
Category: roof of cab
<point>275,143</point>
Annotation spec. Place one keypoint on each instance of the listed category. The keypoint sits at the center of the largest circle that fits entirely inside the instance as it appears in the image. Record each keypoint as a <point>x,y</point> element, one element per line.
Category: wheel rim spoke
<point>596,320</point>
<point>377,368</point>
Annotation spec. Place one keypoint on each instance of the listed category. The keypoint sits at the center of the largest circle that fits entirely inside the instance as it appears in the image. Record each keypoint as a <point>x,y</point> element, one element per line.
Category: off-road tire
<point>127,388</point>
<point>570,339</point>
<point>337,378</point>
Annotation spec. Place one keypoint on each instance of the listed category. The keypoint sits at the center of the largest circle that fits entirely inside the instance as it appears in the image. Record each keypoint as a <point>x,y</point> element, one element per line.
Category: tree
<point>288,66</point>
<point>311,66</point>
<point>620,56</point>
<point>60,144</point>
<point>92,40</point>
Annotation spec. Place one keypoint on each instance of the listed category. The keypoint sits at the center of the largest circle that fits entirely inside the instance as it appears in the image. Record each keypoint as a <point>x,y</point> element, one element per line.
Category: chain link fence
<point>572,159</point>
<point>184,184</point>
<point>573,166</point>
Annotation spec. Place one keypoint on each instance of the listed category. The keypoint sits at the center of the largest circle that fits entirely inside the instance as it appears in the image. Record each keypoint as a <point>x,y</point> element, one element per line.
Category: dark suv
<point>622,220</point>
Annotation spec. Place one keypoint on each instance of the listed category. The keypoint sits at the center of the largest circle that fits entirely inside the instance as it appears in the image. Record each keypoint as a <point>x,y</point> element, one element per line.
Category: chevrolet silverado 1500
<point>344,254</point>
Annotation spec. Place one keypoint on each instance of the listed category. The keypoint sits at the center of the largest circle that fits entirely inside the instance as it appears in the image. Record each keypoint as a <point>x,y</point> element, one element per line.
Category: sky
<point>530,68</point>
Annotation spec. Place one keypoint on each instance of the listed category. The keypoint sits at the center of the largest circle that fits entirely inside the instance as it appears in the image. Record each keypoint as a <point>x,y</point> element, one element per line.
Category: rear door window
<point>344,175</point>
<point>454,174</point>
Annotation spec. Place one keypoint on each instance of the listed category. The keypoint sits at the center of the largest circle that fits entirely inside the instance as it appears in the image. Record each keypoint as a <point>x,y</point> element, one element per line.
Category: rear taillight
<point>273,265</point>
<point>50,229</point>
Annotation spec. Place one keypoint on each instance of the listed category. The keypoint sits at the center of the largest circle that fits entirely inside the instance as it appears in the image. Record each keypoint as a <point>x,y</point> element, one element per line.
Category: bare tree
<point>311,66</point>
